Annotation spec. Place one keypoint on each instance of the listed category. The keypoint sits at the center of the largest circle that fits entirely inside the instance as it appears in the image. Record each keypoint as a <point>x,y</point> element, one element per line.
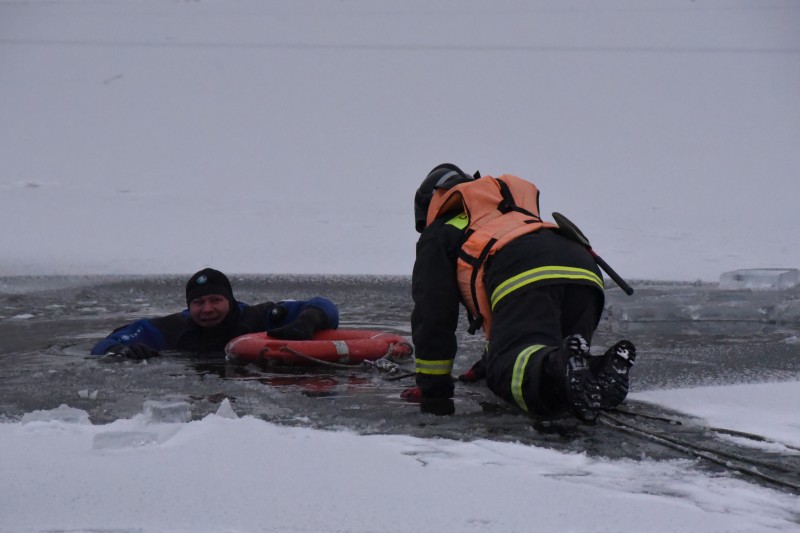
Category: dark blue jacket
<point>179,332</point>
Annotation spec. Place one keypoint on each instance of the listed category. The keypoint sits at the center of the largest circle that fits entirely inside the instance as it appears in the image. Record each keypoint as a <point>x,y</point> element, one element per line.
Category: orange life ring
<point>338,346</point>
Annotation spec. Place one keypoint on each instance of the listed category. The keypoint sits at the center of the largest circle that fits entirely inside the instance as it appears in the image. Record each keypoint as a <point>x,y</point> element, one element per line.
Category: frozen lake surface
<point>688,335</point>
<point>80,421</point>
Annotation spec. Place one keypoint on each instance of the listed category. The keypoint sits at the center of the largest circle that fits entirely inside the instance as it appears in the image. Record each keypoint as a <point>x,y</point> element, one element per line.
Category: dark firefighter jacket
<point>437,295</point>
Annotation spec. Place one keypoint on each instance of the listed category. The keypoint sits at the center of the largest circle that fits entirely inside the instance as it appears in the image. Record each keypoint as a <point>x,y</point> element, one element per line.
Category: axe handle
<point>610,271</point>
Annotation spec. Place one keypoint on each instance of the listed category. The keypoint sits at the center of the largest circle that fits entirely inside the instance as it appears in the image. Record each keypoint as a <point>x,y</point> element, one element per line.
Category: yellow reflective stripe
<point>460,221</point>
<point>519,373</point>
<point>540,274</point>
<point>441,367</point>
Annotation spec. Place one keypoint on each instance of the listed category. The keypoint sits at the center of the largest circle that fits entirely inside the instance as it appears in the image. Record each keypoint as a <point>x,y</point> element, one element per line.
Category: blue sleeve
<point>295,307</point>
<point>139,332</point>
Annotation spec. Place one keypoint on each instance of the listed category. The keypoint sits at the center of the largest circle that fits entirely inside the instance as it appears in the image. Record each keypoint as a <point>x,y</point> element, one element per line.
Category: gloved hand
<point>299,330</point>
<point>303,327</point>
<point>434,406</point>
<point>277,313</point>
<point>476,372</point>
<point>437,406</point>
<point>138,352</point>
<point>412,394</point>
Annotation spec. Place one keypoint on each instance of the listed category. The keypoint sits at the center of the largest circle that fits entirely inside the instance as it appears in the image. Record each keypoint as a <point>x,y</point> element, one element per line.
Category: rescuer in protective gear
<point>537,295</point>
<point>213,317</point>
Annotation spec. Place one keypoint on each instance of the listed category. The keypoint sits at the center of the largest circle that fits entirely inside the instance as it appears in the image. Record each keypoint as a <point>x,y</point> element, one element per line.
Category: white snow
<point>151,136</point>
<point>255,136</point>
<point>230,474</point>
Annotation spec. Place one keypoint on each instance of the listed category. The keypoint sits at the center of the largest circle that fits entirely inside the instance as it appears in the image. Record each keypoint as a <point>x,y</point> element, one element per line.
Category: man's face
<point>209,310</point>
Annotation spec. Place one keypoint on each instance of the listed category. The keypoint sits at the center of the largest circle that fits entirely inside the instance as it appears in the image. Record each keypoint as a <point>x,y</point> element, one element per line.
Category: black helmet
<point>444,176</point>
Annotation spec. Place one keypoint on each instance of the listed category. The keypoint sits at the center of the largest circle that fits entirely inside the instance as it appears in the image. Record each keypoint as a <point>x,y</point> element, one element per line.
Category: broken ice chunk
<point>167,412</point>
<point>760,279</point>
<point>117,440</point>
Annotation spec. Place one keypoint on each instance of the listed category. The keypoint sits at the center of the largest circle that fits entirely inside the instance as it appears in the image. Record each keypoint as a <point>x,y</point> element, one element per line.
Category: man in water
<point>213,317</point>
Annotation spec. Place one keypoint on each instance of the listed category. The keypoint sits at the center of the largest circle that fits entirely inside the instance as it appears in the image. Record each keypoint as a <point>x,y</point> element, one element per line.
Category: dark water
<point>687,335</point>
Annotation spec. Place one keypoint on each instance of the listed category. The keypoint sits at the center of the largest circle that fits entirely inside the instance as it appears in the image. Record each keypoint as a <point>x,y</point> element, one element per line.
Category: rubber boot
<point>611,372</point>
<point>570,365</point>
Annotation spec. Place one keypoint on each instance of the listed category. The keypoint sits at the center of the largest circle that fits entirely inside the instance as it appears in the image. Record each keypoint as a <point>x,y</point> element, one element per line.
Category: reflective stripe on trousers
<point>540,274</point>
<point>519,374</point>
<point>434,367</point>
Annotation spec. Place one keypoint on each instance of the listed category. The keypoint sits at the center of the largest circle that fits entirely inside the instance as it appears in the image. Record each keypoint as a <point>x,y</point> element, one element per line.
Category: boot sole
<point>613,378</point>
<point>583,391</point>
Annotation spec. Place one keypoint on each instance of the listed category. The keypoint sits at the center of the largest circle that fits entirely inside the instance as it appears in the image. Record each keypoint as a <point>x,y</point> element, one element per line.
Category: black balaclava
<point>209,281</point>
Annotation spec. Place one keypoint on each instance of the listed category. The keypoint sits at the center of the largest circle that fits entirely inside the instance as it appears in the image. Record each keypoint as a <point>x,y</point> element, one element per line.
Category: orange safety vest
<point>499,210</point>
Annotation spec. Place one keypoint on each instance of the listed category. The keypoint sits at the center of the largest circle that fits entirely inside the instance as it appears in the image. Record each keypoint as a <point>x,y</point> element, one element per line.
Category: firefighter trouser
<point>523,364</point>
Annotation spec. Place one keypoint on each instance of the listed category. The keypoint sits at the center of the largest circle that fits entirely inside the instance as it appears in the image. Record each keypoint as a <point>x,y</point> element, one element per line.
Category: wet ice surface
<point>687,334</point>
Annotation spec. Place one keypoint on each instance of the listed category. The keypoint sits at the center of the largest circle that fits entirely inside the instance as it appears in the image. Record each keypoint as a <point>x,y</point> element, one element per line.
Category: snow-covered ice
<point>153,137</point>
<point>225,473</point>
